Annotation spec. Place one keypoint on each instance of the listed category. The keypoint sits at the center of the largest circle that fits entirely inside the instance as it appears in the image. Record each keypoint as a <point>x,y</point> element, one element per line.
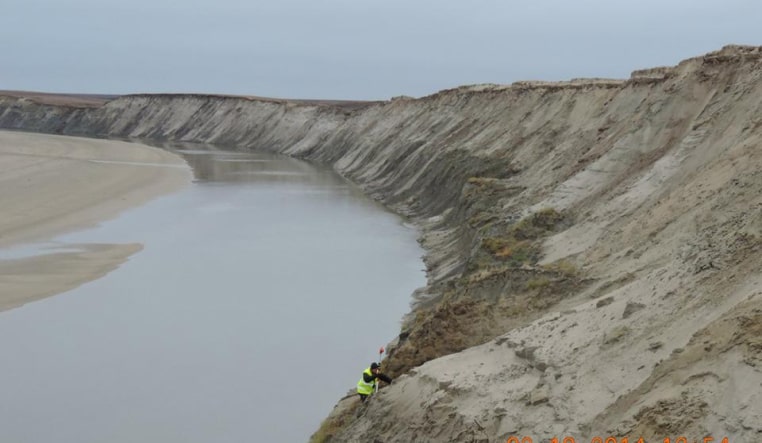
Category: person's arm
<point>384,378</point>
<point>368,378</point>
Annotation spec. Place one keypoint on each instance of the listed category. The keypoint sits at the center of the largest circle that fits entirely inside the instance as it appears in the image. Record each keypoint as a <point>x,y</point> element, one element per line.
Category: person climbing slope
<point>367,383</point>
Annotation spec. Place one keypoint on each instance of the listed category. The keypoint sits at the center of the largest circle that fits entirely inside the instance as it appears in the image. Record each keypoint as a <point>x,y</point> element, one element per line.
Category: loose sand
<point>50,185</point>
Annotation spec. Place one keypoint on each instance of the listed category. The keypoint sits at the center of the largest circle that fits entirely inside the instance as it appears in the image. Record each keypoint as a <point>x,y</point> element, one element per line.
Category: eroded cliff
<point>593,246</point>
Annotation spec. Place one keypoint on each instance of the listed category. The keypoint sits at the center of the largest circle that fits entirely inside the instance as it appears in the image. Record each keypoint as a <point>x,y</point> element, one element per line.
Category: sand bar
<point>50,185</point>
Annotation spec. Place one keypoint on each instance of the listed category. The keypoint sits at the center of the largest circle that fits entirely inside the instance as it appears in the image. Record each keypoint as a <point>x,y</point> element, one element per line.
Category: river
<point>262,292</point>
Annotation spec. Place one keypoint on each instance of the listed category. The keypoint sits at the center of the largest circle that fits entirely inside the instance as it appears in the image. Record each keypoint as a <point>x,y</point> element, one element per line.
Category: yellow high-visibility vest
<point>363,387</point>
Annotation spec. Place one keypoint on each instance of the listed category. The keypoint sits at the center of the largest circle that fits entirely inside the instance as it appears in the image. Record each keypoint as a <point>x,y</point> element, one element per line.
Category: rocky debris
<point>526,353</point>
<point>655,345</point>
<point>632,308</point>
<point>615,335</point>
<point>539,395</point>
<point>604,302</point>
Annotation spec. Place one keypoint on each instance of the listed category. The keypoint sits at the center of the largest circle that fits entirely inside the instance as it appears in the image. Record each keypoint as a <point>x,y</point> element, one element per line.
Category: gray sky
<point>350,49</point>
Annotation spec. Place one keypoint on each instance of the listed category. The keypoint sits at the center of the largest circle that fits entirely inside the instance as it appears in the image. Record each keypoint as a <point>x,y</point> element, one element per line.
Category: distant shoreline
<point>96,100</point>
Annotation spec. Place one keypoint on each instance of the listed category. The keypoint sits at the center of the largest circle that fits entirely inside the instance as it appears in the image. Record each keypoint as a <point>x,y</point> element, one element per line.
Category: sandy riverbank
<point>50,185</point>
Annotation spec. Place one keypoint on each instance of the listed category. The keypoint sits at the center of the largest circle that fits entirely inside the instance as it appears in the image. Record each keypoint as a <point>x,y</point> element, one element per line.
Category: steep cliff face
<point>593,246</point>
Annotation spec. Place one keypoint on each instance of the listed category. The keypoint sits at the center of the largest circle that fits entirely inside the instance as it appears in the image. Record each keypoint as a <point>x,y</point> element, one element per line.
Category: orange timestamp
<point>681,439</point>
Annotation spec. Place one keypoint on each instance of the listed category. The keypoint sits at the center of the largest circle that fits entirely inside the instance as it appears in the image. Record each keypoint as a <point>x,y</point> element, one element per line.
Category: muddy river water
<point>262,292</point>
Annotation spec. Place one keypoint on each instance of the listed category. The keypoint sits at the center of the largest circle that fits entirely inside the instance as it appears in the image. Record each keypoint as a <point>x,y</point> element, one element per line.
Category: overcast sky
<point>350,49</point>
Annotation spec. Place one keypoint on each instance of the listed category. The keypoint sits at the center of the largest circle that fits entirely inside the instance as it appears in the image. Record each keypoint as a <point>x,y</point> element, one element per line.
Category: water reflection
<point>217,165</point>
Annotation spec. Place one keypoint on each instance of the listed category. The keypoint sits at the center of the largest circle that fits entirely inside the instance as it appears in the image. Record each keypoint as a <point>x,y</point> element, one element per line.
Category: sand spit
<point>50,185</point>
<point>24,280</point>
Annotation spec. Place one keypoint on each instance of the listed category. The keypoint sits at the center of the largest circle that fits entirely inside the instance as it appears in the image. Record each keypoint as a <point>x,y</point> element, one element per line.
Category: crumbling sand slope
<point>662,339</point>
<point>593,246</point>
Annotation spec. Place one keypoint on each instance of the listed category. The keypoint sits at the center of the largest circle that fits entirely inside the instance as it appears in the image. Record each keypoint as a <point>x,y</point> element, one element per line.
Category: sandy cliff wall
<point>594,246</point>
